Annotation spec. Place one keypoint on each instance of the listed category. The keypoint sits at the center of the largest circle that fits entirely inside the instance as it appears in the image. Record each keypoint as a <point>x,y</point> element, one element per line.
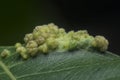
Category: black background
<point>99,17</point>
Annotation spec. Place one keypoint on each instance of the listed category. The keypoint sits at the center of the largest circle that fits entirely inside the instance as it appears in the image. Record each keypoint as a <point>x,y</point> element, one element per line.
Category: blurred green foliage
<point>18,17</point>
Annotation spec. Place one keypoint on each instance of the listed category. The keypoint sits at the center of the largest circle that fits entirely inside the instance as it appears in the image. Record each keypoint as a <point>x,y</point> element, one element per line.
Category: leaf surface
<point>73,65</point>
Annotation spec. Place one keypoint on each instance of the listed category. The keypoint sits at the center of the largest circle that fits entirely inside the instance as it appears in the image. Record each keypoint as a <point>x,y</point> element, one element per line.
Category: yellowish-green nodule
<point>47,38</point>
<point>100,43</point>
<point>22,51</point>
<point>5,53</point>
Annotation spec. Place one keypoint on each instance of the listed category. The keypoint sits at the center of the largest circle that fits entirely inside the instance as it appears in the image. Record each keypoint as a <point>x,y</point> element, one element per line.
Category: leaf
<point>74,65</point>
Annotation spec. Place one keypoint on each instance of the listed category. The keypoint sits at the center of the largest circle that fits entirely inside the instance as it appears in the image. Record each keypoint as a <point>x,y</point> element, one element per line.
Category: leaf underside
<point>73,65</point>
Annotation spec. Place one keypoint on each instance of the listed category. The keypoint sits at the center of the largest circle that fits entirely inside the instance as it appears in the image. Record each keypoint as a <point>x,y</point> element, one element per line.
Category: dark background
<point>18,17</point>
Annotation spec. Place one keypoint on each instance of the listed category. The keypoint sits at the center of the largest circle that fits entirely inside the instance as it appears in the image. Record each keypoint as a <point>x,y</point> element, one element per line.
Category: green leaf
<point>73,65</point>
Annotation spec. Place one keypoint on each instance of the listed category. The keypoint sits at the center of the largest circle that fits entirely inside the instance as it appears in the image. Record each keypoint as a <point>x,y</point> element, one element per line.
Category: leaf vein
<point>7,71</point>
